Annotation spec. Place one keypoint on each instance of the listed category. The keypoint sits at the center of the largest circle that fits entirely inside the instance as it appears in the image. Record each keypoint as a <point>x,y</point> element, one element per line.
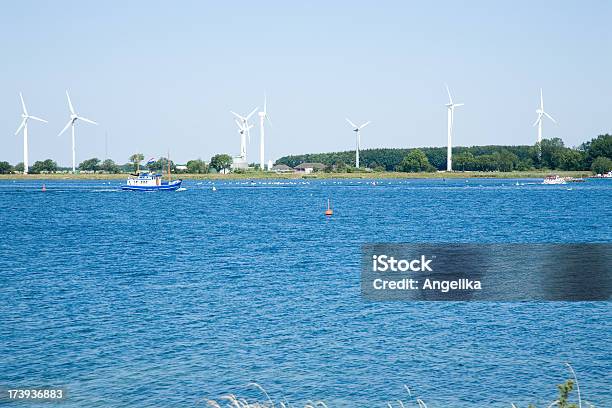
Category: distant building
<point>309,167</point>
<point>282,168</point>
<point>181,167</point>
<point>239,163</point>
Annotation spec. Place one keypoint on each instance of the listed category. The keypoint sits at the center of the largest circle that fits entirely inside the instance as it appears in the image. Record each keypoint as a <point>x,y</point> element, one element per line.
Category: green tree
<point>18,168</point>
<point>415,161</point>
<point>161,164</point>
<point>601,165</point>
<point>487,162</point>
<point>5,167</point>
<point>221,162</point>
<point>92,164</point>
<point>506,160</point>
<point>48,166</point>
<point>524,164</point>
<point>436,157</point>
<point>135,159</point>
<point>601,146</point>
<point>572,160</point>
<point>535,155</point>
<point>109,166</point>
<point>339,166</point>
<point>464,161</point>
<point>552,151</point>
<point>197,166</point>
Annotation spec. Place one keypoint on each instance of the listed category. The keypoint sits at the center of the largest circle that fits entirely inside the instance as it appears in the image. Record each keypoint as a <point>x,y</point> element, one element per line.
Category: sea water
<point>132,299</point>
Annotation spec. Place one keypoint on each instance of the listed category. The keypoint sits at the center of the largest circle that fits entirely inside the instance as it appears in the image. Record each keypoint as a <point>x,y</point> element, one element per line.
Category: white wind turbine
<point>242,130</point>
<point>262,117</point>
<point>245,131</point>
<point>71,122</point>
<point>357,130</point>
<point>541,113</point>
<point>24,124</point>
<point>451,117</point>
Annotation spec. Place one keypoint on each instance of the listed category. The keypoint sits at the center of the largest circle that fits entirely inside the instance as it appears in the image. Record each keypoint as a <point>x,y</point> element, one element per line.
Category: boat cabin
<point>145,180</point>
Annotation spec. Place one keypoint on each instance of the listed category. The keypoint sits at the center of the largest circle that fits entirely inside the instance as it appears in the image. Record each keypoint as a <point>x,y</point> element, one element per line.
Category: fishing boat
<point>149,181</point>
<point>146,181</point>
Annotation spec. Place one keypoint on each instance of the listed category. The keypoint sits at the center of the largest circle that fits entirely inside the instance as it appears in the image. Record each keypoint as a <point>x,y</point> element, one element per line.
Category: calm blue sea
<point>133,299</point>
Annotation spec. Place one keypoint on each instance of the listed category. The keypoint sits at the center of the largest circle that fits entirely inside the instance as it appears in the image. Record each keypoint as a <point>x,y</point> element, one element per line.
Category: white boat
<point>555,179</point>
<point>149,181</point>
<point>146,181</point>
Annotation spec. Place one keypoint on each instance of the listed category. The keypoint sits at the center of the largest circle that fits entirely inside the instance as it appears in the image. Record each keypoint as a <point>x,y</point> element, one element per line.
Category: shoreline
<point>255,175</point>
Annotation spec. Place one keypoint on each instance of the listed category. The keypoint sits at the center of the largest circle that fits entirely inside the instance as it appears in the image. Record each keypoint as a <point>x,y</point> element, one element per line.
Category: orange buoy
<point>44,188</point>
<point>329,211</point>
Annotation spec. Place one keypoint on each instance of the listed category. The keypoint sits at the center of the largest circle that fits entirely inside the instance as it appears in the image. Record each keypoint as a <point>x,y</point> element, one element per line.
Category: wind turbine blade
<point>269,121</point>
<point>449,95</point>
<point>252,113</point>
<point>365,124</point>
<point>458,104</point>
<point>25,111</point>
<point>265,103</point>
<point>237,115</point>
<point>70,103</point>
<point>65,127</point>
<point>538,119</point>
<point>20,126</point>
<point>550,117</point>
<point>87,120</point>
<point>239,123</point>
<point>351,123</point>
<point>38,119</point>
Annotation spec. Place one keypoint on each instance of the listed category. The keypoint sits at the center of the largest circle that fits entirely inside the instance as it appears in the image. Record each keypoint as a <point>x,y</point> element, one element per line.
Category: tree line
<point>595,155</point>
<point>217,163</point>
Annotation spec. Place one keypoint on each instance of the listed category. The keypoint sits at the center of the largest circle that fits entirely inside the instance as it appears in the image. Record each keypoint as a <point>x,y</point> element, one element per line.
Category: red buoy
<point>44,188</point>
<point>329,211</point>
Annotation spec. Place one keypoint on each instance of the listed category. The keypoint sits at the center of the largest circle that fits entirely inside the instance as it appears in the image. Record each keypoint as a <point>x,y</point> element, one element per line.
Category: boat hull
<point>170,186</point>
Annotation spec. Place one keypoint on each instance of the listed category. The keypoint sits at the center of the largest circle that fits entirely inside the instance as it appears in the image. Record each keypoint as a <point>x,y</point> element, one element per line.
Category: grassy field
<point>254,175</point>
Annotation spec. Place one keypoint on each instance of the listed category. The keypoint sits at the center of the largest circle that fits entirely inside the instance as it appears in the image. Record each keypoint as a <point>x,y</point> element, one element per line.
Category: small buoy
<point>329,211</point>
<point>214,188</point>
<point>44,188</point>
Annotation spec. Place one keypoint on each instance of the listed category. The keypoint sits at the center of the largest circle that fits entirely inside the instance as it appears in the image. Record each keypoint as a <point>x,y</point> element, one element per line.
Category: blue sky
<point>164,75</point>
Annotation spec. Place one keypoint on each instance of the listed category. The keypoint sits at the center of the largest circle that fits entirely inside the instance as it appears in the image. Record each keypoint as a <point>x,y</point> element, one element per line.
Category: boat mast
<point>169,178</point>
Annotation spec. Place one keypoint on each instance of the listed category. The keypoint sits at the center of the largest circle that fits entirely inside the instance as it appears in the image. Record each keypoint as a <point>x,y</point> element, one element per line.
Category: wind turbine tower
<point>24,125</point>
<point>357,130</point>
<point>262,117</point>
<point>451,117</point>
<point>243,135</point>
<point>73,118</point>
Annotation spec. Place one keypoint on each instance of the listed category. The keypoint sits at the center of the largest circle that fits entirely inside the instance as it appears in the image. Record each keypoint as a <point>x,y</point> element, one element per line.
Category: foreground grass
<point>258,175</point>
<point>233,401</point>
